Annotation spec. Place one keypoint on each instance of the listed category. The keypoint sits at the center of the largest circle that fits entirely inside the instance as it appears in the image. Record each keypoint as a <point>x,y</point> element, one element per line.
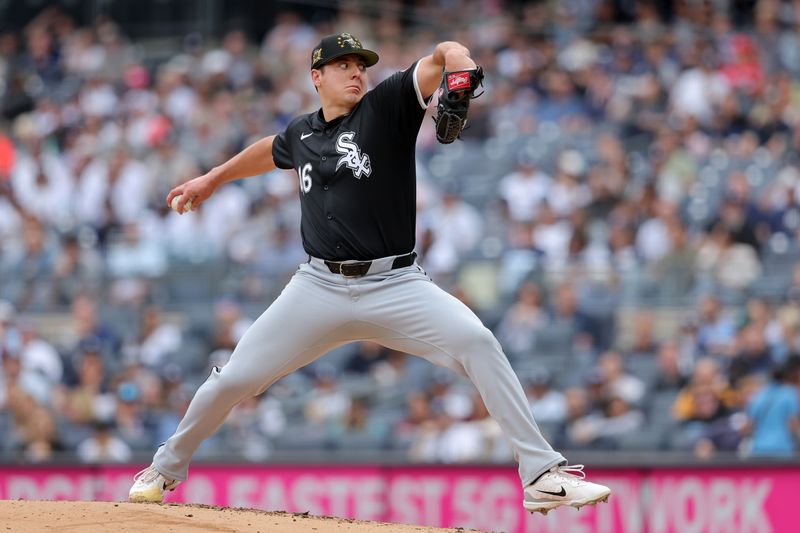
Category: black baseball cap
<point>338,45</point>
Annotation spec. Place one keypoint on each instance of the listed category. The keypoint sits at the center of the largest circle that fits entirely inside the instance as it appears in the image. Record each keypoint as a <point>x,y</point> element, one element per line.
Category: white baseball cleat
<point>563,485</point>
<point>149,486</point>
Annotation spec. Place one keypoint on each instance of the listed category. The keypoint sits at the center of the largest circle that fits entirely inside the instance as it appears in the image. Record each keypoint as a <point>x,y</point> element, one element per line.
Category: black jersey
<point>357,173</point>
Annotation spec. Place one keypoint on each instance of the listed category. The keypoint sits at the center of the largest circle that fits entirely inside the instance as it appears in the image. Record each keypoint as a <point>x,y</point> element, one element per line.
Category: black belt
<point>360,268</point>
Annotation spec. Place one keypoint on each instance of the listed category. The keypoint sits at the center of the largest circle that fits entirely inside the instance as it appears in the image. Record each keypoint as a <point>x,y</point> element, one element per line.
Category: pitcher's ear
<point>315,75</point>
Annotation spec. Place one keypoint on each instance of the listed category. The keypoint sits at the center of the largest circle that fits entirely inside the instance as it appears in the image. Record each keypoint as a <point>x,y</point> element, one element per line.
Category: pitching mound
<point>96,517</point>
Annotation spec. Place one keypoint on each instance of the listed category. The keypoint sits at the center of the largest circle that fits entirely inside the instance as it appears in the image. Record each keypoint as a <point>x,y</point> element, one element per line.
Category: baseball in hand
<point>186,207</point>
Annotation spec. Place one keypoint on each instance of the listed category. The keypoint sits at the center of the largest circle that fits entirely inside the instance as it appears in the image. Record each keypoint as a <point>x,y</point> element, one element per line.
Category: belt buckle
<point>354,270</point>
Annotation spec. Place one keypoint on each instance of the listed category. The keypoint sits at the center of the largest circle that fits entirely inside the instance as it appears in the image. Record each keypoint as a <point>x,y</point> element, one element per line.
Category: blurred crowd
<point>621,149</point>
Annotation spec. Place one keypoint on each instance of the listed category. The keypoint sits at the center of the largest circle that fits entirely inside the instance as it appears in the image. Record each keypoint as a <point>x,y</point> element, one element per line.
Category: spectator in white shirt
<point>569,192</point>
<point>524,189</point>
<point>653,240</point>
<point>618,383</point>
<point>157,337</point>
<point>551,235</point>
<point>38,355</point>
<point>699,91</point>
<point>103,446</point>
<point>112,190</point>
<point>41,182</point>
<point>457,230</point>
<point>547,404</point>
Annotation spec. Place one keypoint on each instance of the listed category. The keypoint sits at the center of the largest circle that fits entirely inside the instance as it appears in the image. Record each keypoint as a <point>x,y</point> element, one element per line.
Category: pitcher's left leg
<point>422,319</point>
<point>416,316</point>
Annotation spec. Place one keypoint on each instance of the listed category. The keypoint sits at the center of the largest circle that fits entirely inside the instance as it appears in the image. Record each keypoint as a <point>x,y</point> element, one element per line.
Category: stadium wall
<point>645,499</point>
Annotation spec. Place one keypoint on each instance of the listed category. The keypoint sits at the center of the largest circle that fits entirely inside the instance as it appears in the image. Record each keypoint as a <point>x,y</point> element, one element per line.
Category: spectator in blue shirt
<point>717,331</point>
<point>774,413</point>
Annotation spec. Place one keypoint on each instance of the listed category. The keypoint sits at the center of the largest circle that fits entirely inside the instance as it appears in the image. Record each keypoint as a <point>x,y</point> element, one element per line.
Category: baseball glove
<point>455,92</point>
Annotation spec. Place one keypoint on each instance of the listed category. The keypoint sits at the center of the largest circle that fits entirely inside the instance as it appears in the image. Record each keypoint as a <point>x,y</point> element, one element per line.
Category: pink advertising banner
<point>484,498</point>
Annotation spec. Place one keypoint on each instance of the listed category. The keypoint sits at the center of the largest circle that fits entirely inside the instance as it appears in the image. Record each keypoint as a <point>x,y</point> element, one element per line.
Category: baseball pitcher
<point>355,164</point>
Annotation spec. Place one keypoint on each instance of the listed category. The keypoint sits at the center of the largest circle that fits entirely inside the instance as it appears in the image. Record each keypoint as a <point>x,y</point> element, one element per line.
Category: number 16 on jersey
<point>304,173</point>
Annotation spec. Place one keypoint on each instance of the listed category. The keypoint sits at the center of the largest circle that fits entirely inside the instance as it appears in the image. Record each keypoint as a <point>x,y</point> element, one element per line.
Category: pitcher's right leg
<point>302,324</point>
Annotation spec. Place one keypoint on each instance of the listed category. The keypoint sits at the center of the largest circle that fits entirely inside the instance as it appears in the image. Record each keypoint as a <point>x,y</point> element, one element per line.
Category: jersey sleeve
<point>399,100</point>
<point>282,151</point>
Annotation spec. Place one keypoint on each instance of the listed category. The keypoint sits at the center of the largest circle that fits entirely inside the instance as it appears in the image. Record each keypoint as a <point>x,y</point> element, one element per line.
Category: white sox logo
<point>352,156</point>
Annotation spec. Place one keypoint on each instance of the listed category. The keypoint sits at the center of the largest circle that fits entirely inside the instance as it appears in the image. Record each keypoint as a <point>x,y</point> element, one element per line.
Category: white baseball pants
<point>401,309</point>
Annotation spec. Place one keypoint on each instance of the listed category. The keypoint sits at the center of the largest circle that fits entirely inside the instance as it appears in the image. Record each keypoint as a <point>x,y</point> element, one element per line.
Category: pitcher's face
<point>342,81</point>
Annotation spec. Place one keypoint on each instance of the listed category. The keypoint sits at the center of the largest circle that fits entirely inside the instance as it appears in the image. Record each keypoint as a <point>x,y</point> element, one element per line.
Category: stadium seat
<point>301,436</point>
<point>649,437</point>
<point>644,367</point>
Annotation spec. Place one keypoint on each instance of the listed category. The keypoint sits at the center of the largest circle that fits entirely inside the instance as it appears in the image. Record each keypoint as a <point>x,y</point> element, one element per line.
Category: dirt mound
<point>21,516</point>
